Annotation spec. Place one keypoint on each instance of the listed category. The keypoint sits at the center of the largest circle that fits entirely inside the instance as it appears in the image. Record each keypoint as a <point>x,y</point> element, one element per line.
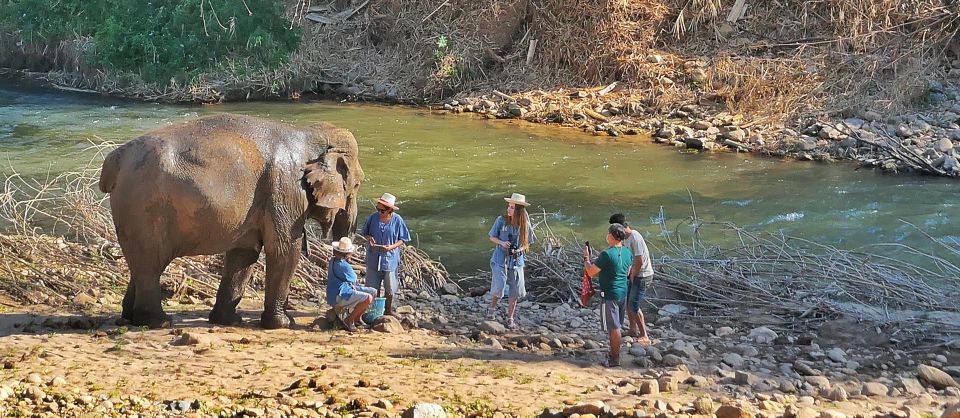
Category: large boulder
<point>935,377</point>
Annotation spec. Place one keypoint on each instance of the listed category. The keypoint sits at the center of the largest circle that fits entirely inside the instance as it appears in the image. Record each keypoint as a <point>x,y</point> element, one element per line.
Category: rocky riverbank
<point>439,358</point>
<point>925,142</point>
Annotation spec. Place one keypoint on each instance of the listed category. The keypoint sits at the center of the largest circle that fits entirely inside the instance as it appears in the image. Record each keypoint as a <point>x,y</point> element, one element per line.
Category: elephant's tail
<point>108,173</point>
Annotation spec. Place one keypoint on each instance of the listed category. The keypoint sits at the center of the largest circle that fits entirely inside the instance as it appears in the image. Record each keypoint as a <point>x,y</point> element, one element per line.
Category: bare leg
<point>615,340</point>
<point>493,301</point>
<point>634,320</point>
<point>358,311</point>
<point>511,307</point>
<point>643,327</point>
<point>237,268</point>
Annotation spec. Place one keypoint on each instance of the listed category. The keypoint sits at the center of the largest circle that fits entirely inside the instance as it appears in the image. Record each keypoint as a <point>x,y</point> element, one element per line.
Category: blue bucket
<point>375,310</point>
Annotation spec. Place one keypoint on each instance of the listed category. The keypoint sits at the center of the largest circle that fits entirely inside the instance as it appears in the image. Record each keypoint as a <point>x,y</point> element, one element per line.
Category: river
<point>451,172</point>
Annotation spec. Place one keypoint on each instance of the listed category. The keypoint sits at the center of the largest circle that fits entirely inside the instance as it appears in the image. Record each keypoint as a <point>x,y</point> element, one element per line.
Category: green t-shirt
<point>614,264</point>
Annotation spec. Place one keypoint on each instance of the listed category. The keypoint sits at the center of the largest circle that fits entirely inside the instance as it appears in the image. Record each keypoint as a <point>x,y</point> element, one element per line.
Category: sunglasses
<point>382,209</point>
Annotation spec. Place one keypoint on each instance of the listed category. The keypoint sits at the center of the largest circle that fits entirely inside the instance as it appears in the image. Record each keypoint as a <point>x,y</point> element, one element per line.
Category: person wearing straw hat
<point>386,232</point>
<point>344,293</point>
<point>512,234</point>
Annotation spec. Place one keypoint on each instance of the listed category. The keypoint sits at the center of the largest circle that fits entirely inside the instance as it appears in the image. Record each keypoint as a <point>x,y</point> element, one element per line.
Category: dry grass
<point>780,61</point>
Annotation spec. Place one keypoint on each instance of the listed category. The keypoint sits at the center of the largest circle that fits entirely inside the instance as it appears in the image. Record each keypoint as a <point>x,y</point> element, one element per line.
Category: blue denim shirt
<point>385,234</point>
<point>340,280</point>
<point>506,232</point>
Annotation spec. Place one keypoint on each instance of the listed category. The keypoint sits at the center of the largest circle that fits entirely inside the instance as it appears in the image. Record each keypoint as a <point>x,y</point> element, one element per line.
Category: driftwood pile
<point>777,275</point>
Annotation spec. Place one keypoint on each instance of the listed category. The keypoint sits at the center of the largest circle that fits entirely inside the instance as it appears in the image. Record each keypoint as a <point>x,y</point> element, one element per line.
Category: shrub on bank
<point>160,39</point>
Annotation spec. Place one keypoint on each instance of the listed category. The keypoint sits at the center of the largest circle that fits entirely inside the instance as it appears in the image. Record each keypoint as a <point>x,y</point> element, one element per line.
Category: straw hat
<point>345,246</point>
<point>518,199</point>
<point>388,200</point>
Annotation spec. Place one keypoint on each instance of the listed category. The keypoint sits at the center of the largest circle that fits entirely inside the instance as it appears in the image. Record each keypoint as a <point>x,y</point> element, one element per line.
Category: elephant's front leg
<point>281,263</point>
<point>237,267</point>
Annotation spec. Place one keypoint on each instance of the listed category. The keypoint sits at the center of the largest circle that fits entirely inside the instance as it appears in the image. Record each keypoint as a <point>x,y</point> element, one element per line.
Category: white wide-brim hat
<point>518,199</point>
<point>389,201</point>
<point>345,246</point>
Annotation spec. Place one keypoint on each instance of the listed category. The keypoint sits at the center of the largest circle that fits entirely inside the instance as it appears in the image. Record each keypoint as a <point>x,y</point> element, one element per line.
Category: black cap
<point>618,218</point>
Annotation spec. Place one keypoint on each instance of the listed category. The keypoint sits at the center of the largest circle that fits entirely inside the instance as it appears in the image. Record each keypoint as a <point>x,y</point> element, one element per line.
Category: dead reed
<point>787,277</point>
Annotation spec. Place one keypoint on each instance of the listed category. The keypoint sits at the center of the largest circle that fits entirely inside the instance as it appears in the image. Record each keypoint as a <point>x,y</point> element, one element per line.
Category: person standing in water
<point>512,235</point>
<point>386,233</point>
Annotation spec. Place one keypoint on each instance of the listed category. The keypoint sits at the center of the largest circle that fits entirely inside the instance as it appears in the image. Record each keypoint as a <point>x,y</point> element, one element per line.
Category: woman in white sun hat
<point>512,234</point>
<point>386,233</point>
<point>343,291</point>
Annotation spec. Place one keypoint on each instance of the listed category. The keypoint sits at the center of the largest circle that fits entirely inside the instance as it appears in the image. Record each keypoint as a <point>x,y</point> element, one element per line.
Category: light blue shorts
<point>507,278</point>
<point>387,278</point>
<point>359,296</point>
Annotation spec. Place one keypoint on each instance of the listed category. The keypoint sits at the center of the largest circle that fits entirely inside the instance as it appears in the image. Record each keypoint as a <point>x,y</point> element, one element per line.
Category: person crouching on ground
<point>386,233</point>
<point>343,291</point>
<point>512,235</point>
<point>612,265</point>
<point>639,279</point>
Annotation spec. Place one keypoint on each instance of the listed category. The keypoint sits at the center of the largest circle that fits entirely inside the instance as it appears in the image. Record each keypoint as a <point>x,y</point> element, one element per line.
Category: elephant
<point>233,185</point>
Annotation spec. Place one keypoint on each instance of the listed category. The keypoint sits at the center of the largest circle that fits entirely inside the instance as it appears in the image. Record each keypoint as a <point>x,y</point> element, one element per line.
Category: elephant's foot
<point>274,320</point>
<point>152,320</point>
<point>225,317</point>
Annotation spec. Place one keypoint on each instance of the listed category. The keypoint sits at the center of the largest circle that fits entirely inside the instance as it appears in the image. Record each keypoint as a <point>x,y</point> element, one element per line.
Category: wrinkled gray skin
<point>230,184</point>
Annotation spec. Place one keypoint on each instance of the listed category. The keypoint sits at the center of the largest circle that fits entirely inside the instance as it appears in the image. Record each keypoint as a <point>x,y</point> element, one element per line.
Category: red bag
<point>586,285</point>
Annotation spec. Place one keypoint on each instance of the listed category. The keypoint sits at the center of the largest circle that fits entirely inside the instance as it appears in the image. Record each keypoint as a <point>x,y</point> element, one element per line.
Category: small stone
<point>668,384</point>
<point>762,335</point>
<point>595,408</point>
<point>837,355</point>
<point>838,394</point>
<point>425,410</point>
<point>672,360</point>
<point>671,309</point>
<point>733,360</point>
<point>34,378</point>
<point>723,331</point>
<point>492,327</point>
<point>34,393</point>
<point>832,414</point>
<point>649,387</point>
<point>384,404</point>
<point>818,381</point>
<point>744,378</point>
<point>904,131</point>
<point>388,324</point>
<point>874,389</point>
<point>703,405</point>
<point>911,386</point>
<point>732,411</point>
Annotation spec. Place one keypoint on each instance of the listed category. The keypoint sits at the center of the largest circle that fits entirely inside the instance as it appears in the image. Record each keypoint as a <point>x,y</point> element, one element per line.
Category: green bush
<point>160,39</point>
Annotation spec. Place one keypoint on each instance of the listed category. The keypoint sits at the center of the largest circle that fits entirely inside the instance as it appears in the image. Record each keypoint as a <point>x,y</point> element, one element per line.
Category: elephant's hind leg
<point>237,267</point>
<point>145,309</point>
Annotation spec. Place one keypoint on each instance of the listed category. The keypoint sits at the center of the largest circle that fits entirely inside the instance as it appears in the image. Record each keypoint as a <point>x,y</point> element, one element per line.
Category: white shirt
<point>638,247</point>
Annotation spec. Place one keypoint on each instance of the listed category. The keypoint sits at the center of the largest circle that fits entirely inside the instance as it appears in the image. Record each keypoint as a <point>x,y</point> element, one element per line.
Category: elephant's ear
<point>327,186</point>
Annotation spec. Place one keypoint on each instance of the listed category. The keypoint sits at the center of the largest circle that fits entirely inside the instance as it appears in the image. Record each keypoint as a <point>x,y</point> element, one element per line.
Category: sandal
<point>511,324</point>
<point>644,341</point>
<point>490,314</point>
<point>351,328</point>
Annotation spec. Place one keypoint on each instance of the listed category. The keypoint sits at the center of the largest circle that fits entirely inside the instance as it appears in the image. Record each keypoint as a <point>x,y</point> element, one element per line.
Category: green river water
<point>450,174</point>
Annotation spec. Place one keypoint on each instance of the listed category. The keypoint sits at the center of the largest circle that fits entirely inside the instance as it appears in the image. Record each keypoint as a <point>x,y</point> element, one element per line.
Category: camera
<point>514,249</point>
